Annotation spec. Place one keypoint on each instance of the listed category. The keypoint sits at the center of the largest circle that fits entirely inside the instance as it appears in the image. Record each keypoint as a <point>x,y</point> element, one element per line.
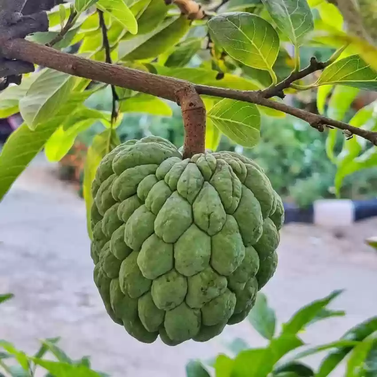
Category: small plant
<point>283,353</point>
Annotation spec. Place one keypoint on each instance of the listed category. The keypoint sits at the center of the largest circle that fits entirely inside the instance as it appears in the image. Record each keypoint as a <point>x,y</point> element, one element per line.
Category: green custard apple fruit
<point>181,246</point>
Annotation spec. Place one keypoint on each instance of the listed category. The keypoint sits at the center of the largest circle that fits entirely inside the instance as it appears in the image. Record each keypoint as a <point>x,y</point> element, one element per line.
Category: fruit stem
<point>194,120</point>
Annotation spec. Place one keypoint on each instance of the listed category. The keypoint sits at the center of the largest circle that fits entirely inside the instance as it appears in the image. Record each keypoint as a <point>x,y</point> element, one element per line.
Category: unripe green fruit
<point>181,247</point>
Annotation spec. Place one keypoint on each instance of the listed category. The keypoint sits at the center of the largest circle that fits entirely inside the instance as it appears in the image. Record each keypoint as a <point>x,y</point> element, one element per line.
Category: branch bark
<point>160,86</point>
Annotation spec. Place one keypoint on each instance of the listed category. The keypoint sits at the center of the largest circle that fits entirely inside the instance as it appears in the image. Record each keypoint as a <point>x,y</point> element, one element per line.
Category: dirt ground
<point>45,262</point>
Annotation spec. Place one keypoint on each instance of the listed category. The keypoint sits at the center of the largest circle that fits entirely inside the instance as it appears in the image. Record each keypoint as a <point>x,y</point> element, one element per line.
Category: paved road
<point>45,262</point>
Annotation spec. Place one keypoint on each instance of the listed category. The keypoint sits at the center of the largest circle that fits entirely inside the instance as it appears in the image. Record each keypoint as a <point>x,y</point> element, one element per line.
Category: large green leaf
<point>183,53</point>
<point>293,17</point>
<point>339,104</point>
<point>62,140</point>
<point>322,95</point>
<point>238,120</point>
<point>195,368</point>
<point>260,362</point>
<point>357,333</point>
<point>223,366</point>
<point>194,75</point>
<point>306,314</point>
<point>156,41</point>
<point>119,10</point>
<point>45,96</point>
<point>145,103</point>
<point>330,15</point>
<point>247,38</point>
<point>152,16</point>
<point>102,143</point>
<point>24,144</point>
<point>213,134</point>
<point>60,369</point>
<point>367,119</point>
<point>19,355</point>
<point>10,97</point>
<point>6,297</point>
<point>355,364</point>
<point>370,363</point>
<point>262,317</point>
<point>350,71</point>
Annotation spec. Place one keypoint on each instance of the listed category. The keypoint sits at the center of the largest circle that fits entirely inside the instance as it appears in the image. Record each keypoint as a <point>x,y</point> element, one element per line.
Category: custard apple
<point>181,246</point>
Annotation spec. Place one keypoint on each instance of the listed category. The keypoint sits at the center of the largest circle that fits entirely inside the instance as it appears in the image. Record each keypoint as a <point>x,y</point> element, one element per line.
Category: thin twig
<point>69,24</point>
<point>106,46</point>
<point>157,85</point>
<point>278,90</point>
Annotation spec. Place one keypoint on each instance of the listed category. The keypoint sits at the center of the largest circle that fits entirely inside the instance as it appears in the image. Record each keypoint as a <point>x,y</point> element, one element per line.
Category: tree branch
<point>160,86</point>
<point>106,46</point>
<point>278,90</point>
<point>191,8</point>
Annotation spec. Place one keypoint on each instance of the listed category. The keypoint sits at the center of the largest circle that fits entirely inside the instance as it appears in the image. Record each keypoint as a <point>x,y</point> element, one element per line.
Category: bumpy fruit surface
<point>181,247</point>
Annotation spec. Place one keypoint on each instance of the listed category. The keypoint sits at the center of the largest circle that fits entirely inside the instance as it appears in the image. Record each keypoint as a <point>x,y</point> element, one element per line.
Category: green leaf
<point>293,17</point>
<point>19,355</point>
<point>45,96</point>
<point>339,104</point>
<point>322,94</point>
<point>195,368</point>
<point>367,119</point>
<point>194,75</point>
<point>152,16</point>
<point>213,134</point>
<point>314,3</point>
<point>10,97</point>
<point>59,369</point>
<point>120,11</point>
<point>247,38</point>
<point>46,37</point>
<point>43,348</point>
<point>223,366</point>
<point>24,144</point>
<point>372,241</point>
<point>296,367</point>
<point>62,15</point>
<point>155,42</point>
<point>64,137</point>
<point>306,314</point>
<point>145,103</point>
<point>260,362</point>
<point>6,297</point>
<point>355,365</point>
<point>357,333</point>
<point>233,82</point>
<point>330,15</point>
<point>82,5</point>
<point>238,120</point>
<point>262,317</point>
<point>324,347</point>
<point>102,144</point>
<point>327,313</point>
<point>62,140</point>
<point>57,352</point>
<point>350,71</point>
<point>183,53</point>
<point>370,363</point>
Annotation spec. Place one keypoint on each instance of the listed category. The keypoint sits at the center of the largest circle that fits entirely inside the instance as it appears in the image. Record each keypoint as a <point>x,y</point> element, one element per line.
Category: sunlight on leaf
<point>238,120</point>
<point>145,103</point>
<point>119,10</point>
<point>247,38</point>
<point>45,96</point>
<point>350,71</point>
<point>293,17</point>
